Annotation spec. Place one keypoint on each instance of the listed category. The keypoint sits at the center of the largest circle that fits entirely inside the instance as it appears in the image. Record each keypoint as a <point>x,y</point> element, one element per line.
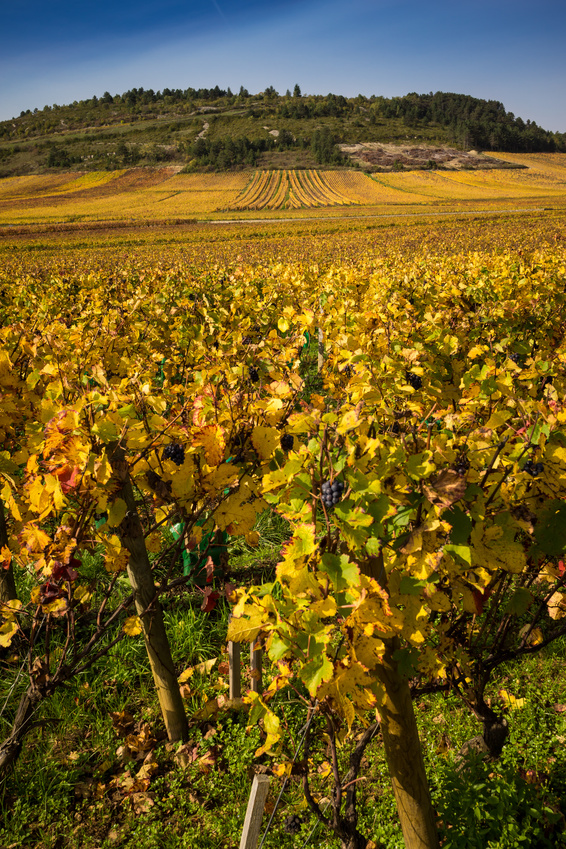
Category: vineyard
<point>296,189</point>
<point>165,194</point>
<point>344,446</point>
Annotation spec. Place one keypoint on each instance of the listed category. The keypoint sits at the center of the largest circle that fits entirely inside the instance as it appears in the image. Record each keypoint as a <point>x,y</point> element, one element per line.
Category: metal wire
<point>317,823</point>
<point>286,779</point>
<point>295,756</point>
<point>12,688</point>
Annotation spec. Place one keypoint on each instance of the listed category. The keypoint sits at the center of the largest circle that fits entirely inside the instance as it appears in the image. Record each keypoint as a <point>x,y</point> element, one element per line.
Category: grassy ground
<point>97,772</point>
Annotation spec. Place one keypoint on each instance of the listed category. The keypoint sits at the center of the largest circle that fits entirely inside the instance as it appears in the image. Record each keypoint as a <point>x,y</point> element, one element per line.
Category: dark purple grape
<point>292,824</point>
<point>174,452</point>
<point>331,493</point>
<point>287,441</point>
<point>533,469</point>
<point>414,380</point>
<point>254,374</point>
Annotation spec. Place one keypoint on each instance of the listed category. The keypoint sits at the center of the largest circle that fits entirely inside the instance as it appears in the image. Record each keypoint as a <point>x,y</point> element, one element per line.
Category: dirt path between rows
<point>377,215</point>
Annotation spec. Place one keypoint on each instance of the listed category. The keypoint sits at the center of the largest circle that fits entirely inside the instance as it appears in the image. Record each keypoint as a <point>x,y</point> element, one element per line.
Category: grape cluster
<point>331,493</point>
<point>462,465</point>
<point>414,380</point>
<point>533,469</point>
<point>174,452</point>
<point>292,824</point>
<point>254,374</point>
<point>287,441</point>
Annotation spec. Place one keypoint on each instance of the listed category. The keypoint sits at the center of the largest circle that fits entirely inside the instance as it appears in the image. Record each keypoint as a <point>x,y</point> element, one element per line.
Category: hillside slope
<point>212,129</point>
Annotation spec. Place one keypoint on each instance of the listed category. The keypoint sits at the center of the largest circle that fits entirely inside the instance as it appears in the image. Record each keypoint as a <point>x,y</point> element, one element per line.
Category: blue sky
<point>508,50</point>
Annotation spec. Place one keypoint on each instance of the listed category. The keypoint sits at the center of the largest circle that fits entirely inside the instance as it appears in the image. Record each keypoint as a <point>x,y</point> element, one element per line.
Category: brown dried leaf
<point>142,802</point>
<point>140,743</point>
<point>148,768</point>
<point>447,488</point>
<point>209,760</point>
<point>122,721</point>
<point>557,605</point>
<point>186,754</point>
<point>209,710</point>
<point>84,788</point>
<point>40,672</point>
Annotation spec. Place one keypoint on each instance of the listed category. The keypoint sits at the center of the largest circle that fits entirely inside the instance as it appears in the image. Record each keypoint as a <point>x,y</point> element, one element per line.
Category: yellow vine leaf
<point>117,512</point>
<point>237,513</point>
<point>82,594</point>
<point>7,632</point>
<point>245,629</point>
<point>510,701</point>
<point>212,439</point>
<point>132,626</point>
<point>265,440</point>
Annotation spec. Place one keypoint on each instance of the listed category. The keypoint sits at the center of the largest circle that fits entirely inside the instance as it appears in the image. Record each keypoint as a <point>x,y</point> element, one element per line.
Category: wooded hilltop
<point>216,129</point>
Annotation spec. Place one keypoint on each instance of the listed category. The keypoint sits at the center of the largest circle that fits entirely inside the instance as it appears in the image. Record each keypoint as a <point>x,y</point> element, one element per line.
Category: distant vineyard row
<point>148,194</point>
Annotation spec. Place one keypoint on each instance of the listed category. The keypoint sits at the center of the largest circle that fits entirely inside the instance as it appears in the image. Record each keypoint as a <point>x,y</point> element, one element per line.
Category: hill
<point>217,130</point>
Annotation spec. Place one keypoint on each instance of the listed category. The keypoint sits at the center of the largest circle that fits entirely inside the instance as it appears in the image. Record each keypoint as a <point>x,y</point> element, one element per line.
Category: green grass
<point>67,789</point>
<point>73,785</point>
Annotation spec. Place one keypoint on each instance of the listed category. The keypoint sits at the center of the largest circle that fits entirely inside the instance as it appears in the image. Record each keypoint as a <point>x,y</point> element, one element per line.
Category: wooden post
<point>235,672</point>
<point>254,813</point>
<point>255,664</point>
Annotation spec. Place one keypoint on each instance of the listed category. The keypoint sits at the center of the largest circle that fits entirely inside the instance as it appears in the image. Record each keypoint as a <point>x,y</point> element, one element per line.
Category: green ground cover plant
<point>72,786</point>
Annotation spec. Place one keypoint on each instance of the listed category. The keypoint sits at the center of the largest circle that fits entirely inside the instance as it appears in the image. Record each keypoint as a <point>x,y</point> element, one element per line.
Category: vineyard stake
<point>254,812</point>
<point>235,672</point>
<point>255,664</point>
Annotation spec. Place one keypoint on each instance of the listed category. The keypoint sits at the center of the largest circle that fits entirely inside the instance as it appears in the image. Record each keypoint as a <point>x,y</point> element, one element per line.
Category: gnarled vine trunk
<point>148,607</point>
<point>404,756</point>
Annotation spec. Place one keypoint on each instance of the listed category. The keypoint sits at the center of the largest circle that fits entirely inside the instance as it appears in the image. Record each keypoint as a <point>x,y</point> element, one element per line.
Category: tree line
<point>473,122</point>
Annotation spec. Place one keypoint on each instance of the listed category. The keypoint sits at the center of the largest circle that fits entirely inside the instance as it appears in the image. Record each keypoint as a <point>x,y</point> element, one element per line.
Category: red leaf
<point>49,592</point>
<point>209,566</point>
<point>67,476</point>
<point>210,600</point>
<point>480,599</point>
<point>62,572</point>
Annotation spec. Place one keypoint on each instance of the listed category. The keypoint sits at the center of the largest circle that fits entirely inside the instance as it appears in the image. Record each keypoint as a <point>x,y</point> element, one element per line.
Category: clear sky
<point>514,51</point>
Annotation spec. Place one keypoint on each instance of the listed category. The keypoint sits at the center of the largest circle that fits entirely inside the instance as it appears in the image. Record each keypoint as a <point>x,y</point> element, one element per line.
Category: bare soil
<point>374,156</point>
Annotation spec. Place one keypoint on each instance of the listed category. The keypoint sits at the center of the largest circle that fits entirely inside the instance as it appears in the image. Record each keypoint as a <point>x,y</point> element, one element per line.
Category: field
<point>143,195</point>
<point>152,308</point>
